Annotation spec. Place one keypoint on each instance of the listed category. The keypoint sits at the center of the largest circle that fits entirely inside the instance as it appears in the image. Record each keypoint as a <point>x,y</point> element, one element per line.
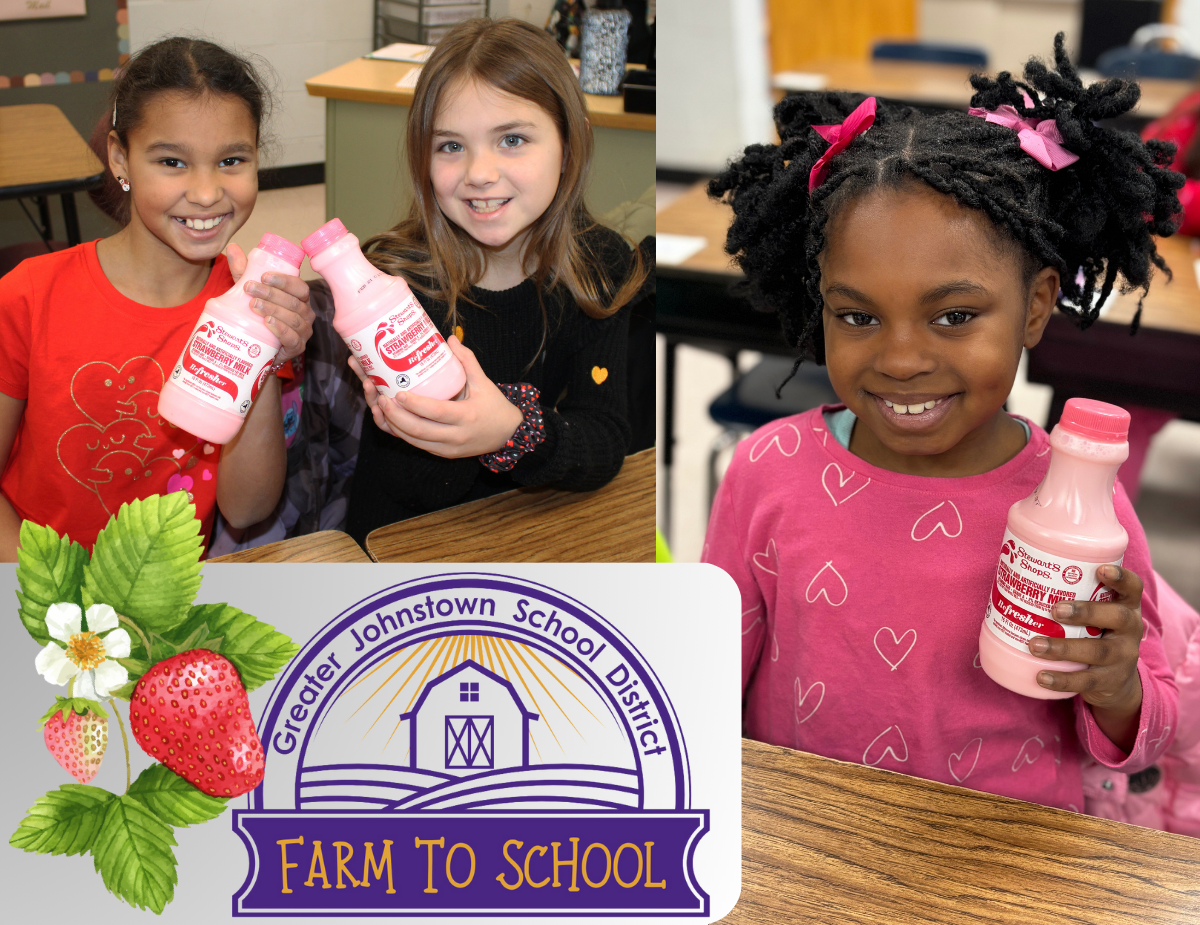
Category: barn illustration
<point>467,721</point>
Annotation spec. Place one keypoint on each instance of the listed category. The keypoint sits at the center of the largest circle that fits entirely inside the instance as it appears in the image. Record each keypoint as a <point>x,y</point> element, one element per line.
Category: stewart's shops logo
<point>476,745</point>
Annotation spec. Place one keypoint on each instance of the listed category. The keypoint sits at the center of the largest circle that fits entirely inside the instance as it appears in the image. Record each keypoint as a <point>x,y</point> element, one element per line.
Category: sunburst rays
<point>546,686</point>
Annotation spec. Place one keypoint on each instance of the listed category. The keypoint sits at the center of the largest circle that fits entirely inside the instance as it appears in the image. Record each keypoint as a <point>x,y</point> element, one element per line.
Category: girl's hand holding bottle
<point>283,303</point>
<point>1110,683</point>
<point>477,422</point>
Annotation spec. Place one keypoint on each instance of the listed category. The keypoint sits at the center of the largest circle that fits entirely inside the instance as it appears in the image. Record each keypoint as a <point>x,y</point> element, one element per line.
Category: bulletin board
<point>48,52</point>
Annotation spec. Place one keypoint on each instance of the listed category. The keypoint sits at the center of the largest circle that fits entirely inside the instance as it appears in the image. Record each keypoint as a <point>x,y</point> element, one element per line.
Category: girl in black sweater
<point>531,293</point>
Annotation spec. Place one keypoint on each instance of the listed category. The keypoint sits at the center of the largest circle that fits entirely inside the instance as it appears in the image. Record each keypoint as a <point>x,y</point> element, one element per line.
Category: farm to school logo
<point>471,744</point>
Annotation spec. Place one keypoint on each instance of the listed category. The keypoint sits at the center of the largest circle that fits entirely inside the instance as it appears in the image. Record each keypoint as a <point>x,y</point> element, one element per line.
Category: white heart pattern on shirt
<point>821,590</point>
<point>768,557</point>
<point>939,524</point>
<point>766,441</point>
<point>1028,753</point>
<point>887,747</point>
<point>823,432</point>
<point>895,645</point>
<point>757,620</point>
<point>802,697</point>
<point>1155,743</point>
<point>956,762</point>
<point>976,662</point>
<point>842,481</point>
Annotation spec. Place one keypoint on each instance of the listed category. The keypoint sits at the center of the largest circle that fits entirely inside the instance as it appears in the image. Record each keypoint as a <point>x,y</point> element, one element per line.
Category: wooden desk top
<point>326,546</point>
<point>1172,305</point>
<point>949,85</point>
<point>371,80</point>
<point>826,841</point>
<point>613,524</point>
<point>38,145</point>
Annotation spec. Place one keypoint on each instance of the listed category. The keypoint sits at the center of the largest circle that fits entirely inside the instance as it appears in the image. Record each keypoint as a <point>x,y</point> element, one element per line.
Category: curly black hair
<point>1092,221</point>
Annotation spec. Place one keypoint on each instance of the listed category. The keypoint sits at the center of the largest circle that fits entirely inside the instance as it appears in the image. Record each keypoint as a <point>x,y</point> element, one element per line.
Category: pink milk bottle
<point>1055,541</point>
<point>381,321</point>
<point>228,354</point>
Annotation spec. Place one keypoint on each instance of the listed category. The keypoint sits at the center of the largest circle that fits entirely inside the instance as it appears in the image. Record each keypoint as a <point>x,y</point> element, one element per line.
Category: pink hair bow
<point>839,137</point>
<point>1040,138</point>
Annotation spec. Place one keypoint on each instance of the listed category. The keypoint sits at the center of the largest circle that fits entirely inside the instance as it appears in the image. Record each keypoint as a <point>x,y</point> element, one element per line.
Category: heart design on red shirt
<point>941,522</point>
<point>768,560</point>
<point>956,762</point>
<point>886,740</point>
<point>894,645</point>
<point>821,586</point>
<point>782,438</point>
<point>1029,752</point>
<point>842,481</point>
<point>801,697</point>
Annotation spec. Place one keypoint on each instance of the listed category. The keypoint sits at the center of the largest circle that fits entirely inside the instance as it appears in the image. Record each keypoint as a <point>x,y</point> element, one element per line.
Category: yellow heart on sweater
<point>599,373</point>
<point>458,332</point>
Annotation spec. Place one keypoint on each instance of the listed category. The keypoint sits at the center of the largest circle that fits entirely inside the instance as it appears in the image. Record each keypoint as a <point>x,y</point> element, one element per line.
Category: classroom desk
<point>826,841</point>
<point>366,185</point>
<point>42,155</point>
<point>948,85</point>
<point>325,546</point>
<point>613,524</point>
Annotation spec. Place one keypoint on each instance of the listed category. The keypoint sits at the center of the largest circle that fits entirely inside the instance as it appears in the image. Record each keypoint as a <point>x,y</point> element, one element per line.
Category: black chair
<point>931,52</point>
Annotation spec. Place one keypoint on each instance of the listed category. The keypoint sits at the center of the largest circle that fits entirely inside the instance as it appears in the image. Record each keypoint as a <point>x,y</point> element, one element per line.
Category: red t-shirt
<point>90,363</point>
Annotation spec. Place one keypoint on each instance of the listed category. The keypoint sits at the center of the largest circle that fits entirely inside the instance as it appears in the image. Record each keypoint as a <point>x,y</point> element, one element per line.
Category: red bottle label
<point>1028,583</point>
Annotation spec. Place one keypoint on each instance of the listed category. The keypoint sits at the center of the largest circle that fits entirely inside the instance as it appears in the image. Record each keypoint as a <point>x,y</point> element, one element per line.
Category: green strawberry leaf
<point>133,854</point>
<point>146,562</point>
<point>173,799</point>
<point>256,649</point>
<point>64,821</point>
<point>49,570</point>
<point>80,705</point>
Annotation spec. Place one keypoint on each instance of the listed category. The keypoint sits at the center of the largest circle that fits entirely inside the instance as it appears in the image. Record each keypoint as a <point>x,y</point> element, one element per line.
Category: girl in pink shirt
<point>915,254</point>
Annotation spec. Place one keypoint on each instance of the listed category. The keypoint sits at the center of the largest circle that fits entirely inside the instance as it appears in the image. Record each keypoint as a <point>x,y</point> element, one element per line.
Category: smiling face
<point>495,165</point>
<point>925,315</point>
<point>192,166</point>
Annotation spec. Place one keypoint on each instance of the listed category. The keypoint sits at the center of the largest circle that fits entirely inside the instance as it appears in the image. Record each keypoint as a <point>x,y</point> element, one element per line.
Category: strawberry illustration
<point>191,713</point>
<point>76,735</point>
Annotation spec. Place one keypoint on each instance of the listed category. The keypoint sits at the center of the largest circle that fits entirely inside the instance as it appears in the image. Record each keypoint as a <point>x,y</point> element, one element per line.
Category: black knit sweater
<point>580,375</point>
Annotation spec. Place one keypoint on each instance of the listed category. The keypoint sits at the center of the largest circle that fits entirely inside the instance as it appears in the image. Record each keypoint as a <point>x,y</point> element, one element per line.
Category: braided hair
<point>1092,221</point>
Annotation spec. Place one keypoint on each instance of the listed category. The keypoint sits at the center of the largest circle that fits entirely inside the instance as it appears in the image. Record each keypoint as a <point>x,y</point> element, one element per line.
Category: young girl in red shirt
<point>86,333</point>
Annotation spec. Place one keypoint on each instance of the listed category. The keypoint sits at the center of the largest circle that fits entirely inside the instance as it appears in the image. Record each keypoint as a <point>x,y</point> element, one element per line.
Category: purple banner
<point>479,863</point>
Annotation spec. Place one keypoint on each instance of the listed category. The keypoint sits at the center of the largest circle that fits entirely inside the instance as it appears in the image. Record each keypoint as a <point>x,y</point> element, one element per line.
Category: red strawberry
<point>77,744</point>
<point>191,713</point>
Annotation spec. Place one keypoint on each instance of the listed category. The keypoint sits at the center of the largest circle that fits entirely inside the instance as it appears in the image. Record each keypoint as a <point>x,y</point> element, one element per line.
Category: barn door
<point>470,742</point>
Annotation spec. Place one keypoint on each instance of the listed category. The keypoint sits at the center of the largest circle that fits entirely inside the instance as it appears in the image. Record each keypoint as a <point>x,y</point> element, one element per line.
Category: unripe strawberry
<point>191,713</point>
<point>77,744</point>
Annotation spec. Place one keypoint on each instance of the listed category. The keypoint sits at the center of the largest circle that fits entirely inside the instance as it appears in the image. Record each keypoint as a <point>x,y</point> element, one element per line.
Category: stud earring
<point>124,183</point>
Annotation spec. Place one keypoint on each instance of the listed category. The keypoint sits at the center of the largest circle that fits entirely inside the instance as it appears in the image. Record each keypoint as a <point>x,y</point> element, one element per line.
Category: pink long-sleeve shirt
<point>863,591</point>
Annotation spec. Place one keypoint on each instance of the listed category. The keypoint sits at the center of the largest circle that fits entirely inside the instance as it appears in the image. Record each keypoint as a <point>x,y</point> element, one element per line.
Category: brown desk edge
<point>827,841</point>
<point>454,534</point>
<point>371,80</point>
<point>326,546</point>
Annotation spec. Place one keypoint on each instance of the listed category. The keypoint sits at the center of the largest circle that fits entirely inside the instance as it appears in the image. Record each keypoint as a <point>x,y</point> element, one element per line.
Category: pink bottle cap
<point>320,239</point>
<point>282,248</point>
<point>1096,420</point>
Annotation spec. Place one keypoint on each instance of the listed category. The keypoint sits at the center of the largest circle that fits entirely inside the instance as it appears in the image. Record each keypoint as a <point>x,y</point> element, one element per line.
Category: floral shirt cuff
<point>529,434</point>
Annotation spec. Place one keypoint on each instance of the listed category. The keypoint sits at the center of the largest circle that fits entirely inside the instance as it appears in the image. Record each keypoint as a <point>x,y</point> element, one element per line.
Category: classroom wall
<point>79,44</point>
<point>714,81</point>
<point>297,38</point>
<point>1010,31</point>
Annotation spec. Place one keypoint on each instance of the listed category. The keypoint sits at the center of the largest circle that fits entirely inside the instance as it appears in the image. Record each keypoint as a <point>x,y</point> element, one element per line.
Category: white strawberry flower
<point>89,656</point>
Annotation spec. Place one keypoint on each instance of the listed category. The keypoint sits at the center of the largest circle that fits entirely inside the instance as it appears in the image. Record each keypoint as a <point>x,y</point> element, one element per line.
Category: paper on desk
<point>402,51</point>
<point>799,80</point>
<point>409,80</point>
<point>674,249</point>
